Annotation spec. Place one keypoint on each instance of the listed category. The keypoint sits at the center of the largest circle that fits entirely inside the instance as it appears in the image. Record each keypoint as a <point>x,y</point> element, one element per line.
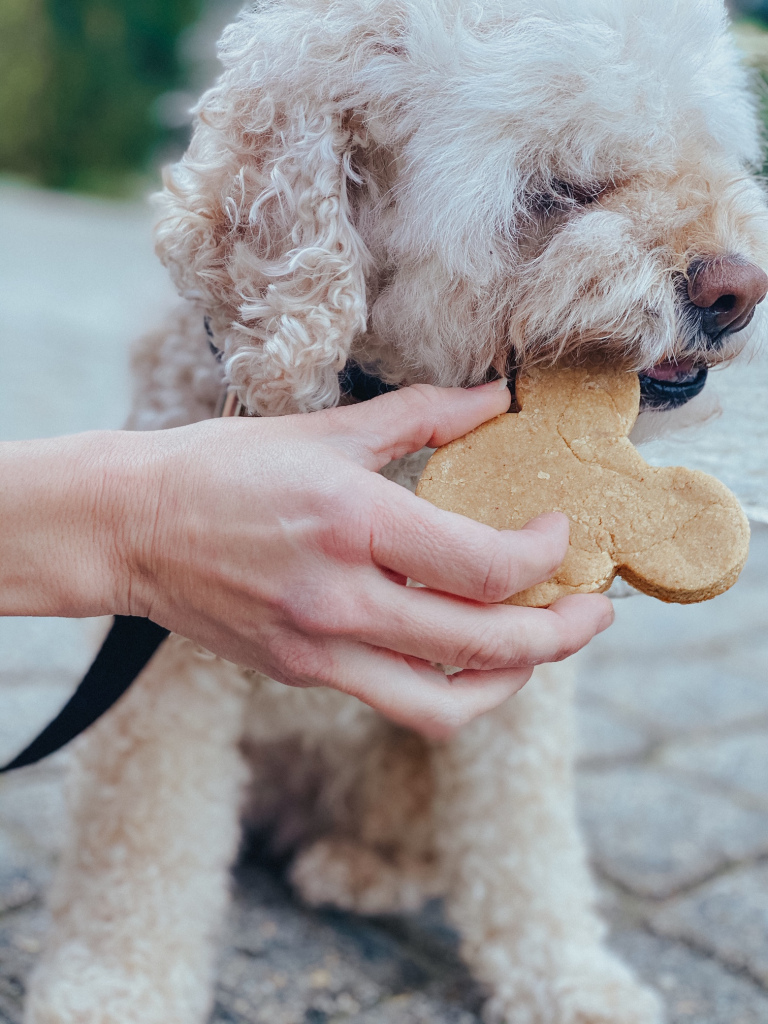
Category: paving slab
<point>22,871</point>
<point>752,657</point>
<point>605,735</point>
<point>286,964</point>
<point>32,805</point>
<point>25,708</point>
<point>739,762</point>
<point>78,283</point>
<point>21,935</point>
<point>41,662</point>
<point>654,834</point>
<point>413,1009</point>
<point>53,648</point>
<point>727,918</point>
<point>668,697</point>
<point>696,989</point>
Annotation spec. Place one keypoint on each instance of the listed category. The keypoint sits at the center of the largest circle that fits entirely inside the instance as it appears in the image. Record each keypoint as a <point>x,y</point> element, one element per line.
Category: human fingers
<point>439,628</point>
<point>417,695</point>
<point>449,552</point>
<point>388,427</point>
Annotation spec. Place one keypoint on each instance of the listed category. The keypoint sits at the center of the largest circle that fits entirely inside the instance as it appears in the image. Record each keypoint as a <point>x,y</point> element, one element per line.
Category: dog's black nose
<point>726,289</point>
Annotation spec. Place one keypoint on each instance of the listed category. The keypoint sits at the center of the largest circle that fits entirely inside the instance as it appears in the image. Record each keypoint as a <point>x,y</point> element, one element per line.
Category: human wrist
<point>128,467</point>
<point>62,536</point>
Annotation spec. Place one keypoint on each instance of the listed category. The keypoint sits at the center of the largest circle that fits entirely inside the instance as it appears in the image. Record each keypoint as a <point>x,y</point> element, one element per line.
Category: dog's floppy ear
<point>257,226</point>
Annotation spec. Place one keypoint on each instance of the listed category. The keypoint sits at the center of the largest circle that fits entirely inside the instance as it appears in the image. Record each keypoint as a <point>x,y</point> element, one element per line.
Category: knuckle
<point>568,646</point>
<point>304,610</point>
<point>541,641</point>
<point>304,662</point>
<point>425,393</point>
<point>385,523</point>
<point>542,557</point>
<point>423,401</point>
<point>552,560</point>
<point>500,580</point>
<point>319,612</point>
<point>415,410</point>
<point>355,613</point>
<point>350,528</point>
<point>330,496</point>
<point>489,651</point>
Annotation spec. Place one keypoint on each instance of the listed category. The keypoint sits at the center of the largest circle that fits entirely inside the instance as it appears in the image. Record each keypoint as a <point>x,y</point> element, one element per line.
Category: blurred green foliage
<point>78,83</point>
<point>80,80</point>
<point>752,40</point>
<point>755,9</point>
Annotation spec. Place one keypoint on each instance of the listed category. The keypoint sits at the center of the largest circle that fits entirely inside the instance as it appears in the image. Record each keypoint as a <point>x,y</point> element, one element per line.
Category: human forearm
<point>58,551</point>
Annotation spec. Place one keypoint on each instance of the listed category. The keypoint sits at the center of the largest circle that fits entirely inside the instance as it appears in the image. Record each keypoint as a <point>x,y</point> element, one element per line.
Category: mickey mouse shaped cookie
<point>677,534</point>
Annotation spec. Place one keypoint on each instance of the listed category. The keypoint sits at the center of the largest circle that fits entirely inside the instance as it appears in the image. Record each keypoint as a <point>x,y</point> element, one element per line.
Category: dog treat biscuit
<point>675,533</point>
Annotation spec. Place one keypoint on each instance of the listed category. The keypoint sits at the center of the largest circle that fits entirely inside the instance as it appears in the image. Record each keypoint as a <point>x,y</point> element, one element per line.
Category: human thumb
<point>393,425</point>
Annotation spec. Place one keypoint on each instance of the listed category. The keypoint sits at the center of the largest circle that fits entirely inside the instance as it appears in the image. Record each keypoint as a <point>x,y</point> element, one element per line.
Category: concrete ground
<point>673,712</point>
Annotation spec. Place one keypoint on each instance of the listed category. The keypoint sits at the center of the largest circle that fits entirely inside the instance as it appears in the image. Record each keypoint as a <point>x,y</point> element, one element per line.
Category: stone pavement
<point>673,706</point>
<point>673,714</point>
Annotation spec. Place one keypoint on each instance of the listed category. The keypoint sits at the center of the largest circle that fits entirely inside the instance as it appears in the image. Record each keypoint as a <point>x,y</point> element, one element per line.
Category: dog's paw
<point>350,876</point>
<point>75,986</point>
<point>609,996</point>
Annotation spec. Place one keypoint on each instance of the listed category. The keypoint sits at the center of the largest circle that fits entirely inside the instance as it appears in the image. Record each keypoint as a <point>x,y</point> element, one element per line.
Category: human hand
<point>275,544</point>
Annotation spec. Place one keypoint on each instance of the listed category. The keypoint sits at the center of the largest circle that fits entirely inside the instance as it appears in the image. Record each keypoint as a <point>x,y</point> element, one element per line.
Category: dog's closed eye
<point>560,196</point>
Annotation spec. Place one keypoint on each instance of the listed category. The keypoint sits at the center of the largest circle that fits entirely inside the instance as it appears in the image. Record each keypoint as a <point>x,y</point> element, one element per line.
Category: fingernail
<point>491,385</point>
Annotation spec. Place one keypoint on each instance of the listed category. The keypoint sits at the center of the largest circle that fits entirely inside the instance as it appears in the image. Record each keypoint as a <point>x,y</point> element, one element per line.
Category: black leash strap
<point>129,646</point>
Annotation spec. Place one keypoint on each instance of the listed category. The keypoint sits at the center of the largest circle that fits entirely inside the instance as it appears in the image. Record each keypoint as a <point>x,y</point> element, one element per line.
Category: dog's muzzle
<point>718,297</point>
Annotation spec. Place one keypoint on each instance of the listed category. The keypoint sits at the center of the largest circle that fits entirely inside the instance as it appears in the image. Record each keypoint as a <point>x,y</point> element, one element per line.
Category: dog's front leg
<point>519,889</point>
<point>143,881</point>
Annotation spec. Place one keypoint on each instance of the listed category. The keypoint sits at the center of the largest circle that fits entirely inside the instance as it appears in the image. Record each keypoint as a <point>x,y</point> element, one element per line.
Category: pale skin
<point>275,544</point>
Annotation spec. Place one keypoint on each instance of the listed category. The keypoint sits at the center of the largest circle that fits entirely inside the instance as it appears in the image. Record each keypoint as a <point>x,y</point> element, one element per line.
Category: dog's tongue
<point>672,371</point>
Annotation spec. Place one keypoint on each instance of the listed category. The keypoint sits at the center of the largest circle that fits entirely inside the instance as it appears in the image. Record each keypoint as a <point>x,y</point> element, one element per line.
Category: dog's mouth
<point>671,384</point>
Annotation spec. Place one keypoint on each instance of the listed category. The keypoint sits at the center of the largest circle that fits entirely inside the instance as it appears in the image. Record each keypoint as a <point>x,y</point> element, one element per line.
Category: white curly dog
<point>433,189</point>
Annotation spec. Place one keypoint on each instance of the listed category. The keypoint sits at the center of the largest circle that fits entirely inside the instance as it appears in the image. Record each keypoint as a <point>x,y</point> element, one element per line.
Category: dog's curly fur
<point>435,188</point>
